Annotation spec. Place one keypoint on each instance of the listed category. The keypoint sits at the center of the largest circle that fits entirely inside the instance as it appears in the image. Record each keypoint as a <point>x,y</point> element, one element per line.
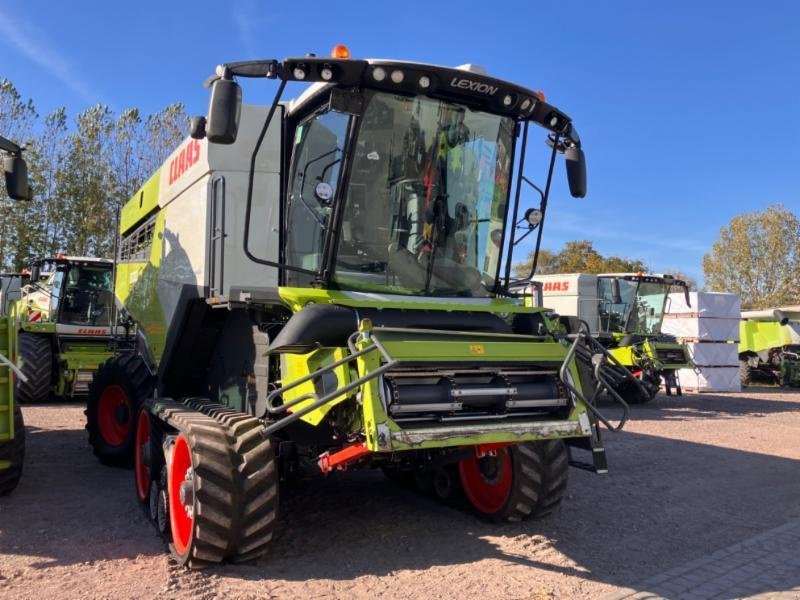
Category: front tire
<point>13,451</point>
<point>118,388</point>
<point>36,362</point>
<point>519,482</point>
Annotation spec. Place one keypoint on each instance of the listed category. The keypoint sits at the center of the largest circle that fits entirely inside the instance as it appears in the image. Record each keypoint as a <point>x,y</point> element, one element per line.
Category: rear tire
<point>14,452</point>
<point>744,373</point>
<point>36,362</point>
<point>117,391</point>
<point>522,481</point>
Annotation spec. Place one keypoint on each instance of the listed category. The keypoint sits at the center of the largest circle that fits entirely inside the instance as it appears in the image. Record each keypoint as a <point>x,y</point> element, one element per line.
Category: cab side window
<point>316,162</point>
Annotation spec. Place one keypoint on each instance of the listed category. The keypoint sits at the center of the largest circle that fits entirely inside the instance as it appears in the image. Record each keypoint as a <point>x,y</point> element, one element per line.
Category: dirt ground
<point>688,476</point>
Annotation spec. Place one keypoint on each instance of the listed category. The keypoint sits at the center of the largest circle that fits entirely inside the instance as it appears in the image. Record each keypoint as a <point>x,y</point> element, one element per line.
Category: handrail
<point>14,368</point>
<point>601,377</point>
<point>330,396</point>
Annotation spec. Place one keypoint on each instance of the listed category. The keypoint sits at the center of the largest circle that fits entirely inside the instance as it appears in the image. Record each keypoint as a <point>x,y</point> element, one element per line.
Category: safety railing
<point>274,408</point>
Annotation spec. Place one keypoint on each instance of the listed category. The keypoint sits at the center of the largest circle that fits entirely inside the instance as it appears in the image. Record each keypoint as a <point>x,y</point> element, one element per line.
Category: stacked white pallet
<point>709,326</point>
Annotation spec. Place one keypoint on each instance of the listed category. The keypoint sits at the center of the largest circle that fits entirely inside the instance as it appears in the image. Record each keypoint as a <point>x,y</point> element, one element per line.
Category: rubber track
<point>236,480</point>
<point>541,474</point>
<point>131,367</point>
<point>13,451</point>
<point>36,361</point>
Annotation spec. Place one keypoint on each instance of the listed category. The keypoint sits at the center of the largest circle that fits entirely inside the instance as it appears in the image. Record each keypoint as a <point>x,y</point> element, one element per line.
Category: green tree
<point>758,257</point>
<point>579,256</point>
<point>17,119</point>
<point>81,175</point>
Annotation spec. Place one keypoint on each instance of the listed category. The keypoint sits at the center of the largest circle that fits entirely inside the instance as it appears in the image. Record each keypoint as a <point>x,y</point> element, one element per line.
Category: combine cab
<point>328,278</point>
<point>624,312</point>
<point>12,427</point>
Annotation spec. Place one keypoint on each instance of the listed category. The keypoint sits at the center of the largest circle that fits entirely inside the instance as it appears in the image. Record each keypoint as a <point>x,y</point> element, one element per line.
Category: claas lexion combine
<point>624,312</point>
<point>12,427</point>
<point>324,278</point>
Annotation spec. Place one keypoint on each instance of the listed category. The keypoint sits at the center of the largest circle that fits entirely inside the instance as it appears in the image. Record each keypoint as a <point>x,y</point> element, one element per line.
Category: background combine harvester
<point>624,311</point>
<point>325,278</point>
<point>64,315</point>
<point>769,346</point>
<point>12,427</point>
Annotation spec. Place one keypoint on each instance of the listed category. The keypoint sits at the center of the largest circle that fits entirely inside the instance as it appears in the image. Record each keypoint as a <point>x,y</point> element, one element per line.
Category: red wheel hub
<point>487,480</point>
<point>114,415</point>
<point>141,456</point>
<point>180,480</point>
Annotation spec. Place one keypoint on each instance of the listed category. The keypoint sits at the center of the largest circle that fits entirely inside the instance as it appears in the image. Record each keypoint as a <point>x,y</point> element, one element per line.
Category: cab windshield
<point>640,310</point>
<point>425,204</point>
<point>87,296</point>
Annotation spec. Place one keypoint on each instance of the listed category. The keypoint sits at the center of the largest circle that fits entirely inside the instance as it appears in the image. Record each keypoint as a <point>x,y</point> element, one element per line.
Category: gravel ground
<point>688,476</point>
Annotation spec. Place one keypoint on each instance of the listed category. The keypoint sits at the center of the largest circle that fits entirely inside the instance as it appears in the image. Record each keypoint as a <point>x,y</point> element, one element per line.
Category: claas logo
<point>188,156</point>
<point>556,286</point>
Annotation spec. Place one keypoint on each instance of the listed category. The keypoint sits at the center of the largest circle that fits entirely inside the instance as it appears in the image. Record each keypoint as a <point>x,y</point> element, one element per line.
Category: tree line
<point>81,171</point>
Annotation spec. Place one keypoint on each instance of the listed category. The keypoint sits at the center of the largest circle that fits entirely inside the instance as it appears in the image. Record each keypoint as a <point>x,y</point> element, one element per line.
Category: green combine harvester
<point>328,278</point>
<point>12,427</point>
<point>64,316</point>
<point>769,346</point>
<point>624,311</point>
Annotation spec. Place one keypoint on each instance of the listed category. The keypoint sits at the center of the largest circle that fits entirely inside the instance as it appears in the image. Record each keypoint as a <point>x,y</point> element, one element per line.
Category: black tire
<point>538,481</point>
<point>632,393</point>
<point>745,375</point>
<point>112,437</point>
<point>235,480</point>
<point>13,451</point>
<point>36,362</point>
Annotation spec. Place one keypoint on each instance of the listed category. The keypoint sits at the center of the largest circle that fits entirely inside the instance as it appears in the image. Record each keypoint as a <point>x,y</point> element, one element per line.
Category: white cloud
<point>30,41</point>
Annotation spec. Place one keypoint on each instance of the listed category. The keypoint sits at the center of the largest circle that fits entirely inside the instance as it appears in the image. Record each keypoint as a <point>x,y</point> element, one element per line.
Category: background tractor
<point>328,278</point>
<point>624,311</point>
<point>769,346</point>
<point>64,315</point>
<point>12,427</point>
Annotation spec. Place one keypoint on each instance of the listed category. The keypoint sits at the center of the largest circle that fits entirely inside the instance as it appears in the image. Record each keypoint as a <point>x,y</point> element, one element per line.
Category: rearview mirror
<point>576,171</point>
<point>616,295</point>
<point>16,172</point>
<point>224,109</point>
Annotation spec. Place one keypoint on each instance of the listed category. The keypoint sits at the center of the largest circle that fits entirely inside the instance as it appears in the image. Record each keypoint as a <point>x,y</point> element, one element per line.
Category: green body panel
<point>8,348</point>
<point>297,298</point>
<point>295,366</point>
<point>757,336</point>
<point>38,327</point>
<point>141,204</point>
<point>83,356</point>
<point>136,287</point>
<point>633,356</point>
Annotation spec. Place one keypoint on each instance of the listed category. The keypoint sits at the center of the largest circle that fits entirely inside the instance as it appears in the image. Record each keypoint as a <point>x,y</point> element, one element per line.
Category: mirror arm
<point>509,259</point>
<point>544,207</point>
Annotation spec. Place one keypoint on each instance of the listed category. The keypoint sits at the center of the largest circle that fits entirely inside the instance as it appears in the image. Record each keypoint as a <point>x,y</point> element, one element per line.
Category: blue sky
<point>689,111</point>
